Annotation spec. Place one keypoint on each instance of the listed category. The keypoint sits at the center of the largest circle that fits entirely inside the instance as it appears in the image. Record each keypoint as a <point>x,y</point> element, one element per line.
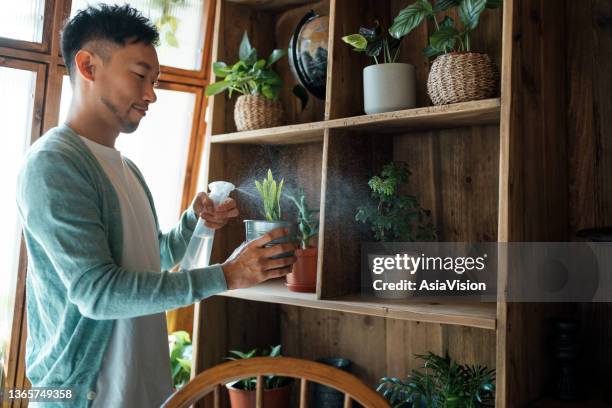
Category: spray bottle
<point>200,245</point>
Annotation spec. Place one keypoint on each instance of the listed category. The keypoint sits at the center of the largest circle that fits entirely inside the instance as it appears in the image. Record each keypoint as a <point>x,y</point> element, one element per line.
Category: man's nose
<point>150,95</point>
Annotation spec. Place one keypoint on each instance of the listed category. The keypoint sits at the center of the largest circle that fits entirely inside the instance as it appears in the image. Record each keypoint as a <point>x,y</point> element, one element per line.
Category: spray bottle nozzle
<point>220,190</point>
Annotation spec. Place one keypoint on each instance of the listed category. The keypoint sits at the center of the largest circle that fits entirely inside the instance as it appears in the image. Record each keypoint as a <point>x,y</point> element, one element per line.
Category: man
<point>96,292</point>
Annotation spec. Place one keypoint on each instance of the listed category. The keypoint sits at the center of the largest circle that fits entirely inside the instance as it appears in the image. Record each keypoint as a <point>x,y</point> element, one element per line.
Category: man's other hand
<point>213,217</point>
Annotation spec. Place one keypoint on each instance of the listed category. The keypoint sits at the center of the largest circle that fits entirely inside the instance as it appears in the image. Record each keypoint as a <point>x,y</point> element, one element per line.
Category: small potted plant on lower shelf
<point>395,217</point>
<point>457,74</point>
<point>388,85</point>
<point>443,383</point>
<point>180,358</point>
<point>270,192</point>
<point>277,390</point>
<point>258,106</point>
<point>303,277</point>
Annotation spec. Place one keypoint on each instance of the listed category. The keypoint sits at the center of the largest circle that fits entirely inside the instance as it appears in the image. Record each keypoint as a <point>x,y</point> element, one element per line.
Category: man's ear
<point>85,63</point>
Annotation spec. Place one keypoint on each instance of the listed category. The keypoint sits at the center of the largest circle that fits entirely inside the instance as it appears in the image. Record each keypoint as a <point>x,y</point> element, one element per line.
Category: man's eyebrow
<point>146,66</point>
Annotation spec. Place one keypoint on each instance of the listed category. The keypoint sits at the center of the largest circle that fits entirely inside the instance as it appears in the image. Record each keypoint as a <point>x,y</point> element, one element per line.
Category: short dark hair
<point>114,23</point>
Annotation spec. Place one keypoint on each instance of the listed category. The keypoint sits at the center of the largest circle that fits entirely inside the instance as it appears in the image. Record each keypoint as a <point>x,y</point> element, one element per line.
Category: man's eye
<point>138,75</point>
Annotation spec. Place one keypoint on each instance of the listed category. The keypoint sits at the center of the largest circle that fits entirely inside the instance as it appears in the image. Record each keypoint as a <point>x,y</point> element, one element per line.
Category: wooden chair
<point>212,380</point>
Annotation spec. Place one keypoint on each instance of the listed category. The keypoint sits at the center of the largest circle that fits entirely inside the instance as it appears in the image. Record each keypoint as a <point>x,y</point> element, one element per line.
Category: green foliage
<point>180,357</point>
<point>270,194</point>
<point>252,75</point>
<point>442,384</point>
<point>447,37</point>
<point>167,24</point>
<point>395,217</point>
<point>374,41</point>
<point>307,220</point>
<point>270,381</point>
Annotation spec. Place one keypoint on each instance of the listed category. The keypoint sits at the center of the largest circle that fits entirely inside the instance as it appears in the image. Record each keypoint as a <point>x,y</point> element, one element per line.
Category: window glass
<point>16,105</point>
<point>159,147</point>
<point>180,24</point>
<point>23,20</point>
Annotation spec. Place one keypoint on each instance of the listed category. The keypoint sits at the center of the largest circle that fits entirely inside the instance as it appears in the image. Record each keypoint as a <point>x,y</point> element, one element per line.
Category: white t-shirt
<point>136,369</point>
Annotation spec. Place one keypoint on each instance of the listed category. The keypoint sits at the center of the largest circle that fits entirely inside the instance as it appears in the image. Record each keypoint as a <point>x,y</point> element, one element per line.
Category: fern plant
<point>308,222</point>
<point>442,384</point>
<point>270,381</point>
<point>395,217</point>
<point>180,357</point>
<point>270,193</point>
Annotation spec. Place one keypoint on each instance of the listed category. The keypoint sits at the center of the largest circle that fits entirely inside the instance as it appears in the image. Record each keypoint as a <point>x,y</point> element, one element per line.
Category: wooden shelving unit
<point>491,170</point>
<point>480,315</point>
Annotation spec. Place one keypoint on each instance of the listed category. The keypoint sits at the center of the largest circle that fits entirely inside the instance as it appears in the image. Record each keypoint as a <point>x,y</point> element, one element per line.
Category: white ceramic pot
<point>388,87</point>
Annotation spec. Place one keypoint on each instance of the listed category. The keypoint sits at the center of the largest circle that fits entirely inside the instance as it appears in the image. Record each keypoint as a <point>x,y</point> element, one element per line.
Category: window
<point>180,24</point>
<point>159,147</point>
<point>18,81</point>
<point>24,21</point>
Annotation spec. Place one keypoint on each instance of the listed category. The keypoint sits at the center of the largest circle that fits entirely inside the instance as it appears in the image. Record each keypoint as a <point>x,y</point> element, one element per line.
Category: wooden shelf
<point>482,315</point>
<point>431,117</point>
<point>290,134</point>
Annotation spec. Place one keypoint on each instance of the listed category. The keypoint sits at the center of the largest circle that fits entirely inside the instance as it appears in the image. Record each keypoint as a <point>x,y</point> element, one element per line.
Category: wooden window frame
<point>46,59</point>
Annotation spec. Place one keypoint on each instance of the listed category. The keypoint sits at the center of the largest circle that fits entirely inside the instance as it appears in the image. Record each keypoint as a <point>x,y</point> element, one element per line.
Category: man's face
<point>125,82</point>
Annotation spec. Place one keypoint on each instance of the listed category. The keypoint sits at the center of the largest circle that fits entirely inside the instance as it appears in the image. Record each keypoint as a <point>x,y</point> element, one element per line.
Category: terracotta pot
<point>303,277</point>
<point>274,398</point>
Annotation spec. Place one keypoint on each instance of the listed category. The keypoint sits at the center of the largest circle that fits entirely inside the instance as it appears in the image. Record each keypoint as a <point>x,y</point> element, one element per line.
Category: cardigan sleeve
<point>59,209</point>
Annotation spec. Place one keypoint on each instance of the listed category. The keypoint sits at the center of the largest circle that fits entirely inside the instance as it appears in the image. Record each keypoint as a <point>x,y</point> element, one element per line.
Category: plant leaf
<point>357,41</point>
<point>216,88</point>
<point>470,11</point>
<point>409,18</point>
<point>245,47</point>
<point>443,5</point>
<point>220,69</point>
<point>275,56</point>
<point>444,39</point>
<point>447,22</point>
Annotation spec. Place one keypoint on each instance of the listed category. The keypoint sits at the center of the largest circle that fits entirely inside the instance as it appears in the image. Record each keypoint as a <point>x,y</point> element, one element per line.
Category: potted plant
<point>457,74</point>
<point>387,85</point>
<point>277,390</point>
<point>394,217</point>
<point>443,383</point>
<point>303,277</point>
<point>258,106</point>
<point>180,358</point>
<point>270,192</point>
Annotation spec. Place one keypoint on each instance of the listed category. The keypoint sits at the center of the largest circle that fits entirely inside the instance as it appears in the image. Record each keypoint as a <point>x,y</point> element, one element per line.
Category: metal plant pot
<point>257,228</point>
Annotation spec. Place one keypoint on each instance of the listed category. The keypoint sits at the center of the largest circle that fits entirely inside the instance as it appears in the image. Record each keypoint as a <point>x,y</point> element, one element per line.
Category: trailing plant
<point>270,381</point>
<point>395,217</point>
<point>252,75</point>
<point>180,357</point>
<point>447,37</point>
<point>270,193</point>
<point>374,41</point>
<point>442,384</point>
<point>308,222</point>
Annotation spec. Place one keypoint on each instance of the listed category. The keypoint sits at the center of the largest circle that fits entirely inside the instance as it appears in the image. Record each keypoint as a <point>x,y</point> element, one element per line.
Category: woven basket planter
<point>462,77</point>
<point>257,112</point>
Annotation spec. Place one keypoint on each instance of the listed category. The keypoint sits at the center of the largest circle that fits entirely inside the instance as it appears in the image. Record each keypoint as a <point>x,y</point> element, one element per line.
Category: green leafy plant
<point>395,217</point>
<point>374,41</point>
<point>270,193</point>
<point>180,357</point>
<point>442,384</point>
<point>167,24</point>
<point>270,381</point>
<point>447,36</point>
<point>252,75</point>
<point>308,222</point>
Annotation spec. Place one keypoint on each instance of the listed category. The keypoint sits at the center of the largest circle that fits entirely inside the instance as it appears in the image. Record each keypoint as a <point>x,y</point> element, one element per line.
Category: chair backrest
<point>211,380</point>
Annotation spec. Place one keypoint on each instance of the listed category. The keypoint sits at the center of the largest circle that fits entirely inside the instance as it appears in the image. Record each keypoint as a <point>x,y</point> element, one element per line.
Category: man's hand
<point>253,265</point>
<point>204,208</point>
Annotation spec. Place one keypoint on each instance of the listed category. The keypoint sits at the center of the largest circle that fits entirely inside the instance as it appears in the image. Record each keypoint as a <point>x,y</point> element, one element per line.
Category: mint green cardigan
<point>75,287</point>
